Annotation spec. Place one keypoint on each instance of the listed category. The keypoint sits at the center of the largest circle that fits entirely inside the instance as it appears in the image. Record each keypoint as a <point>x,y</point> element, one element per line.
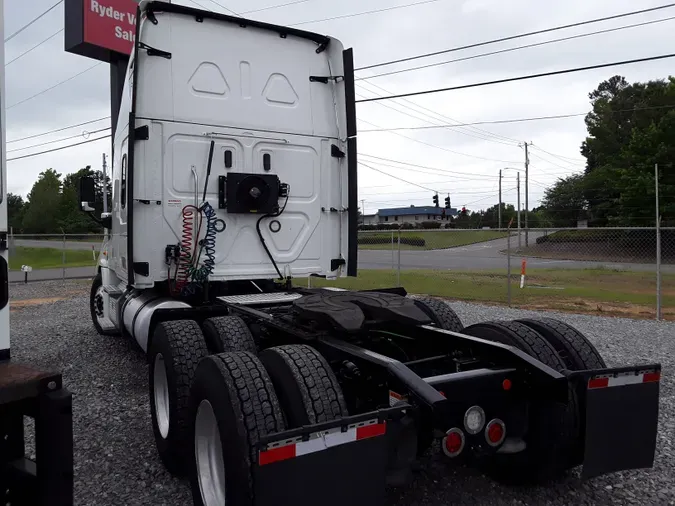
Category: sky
<point>463,162</point>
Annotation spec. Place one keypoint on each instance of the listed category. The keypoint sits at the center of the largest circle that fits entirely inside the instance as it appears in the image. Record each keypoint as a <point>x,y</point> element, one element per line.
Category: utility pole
<point>658,245</point>
<point>500,200</point>
<point>105,185</point>
<point>363,211</point>
<point>518,190</point>
<point>527,184</point>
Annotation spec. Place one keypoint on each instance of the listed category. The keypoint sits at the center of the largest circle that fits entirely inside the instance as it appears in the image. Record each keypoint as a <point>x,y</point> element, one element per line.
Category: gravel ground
<point>116,461</point>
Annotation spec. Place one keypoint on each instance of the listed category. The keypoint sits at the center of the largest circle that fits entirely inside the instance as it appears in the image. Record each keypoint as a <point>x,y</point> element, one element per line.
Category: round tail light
<point>474,419</point>
<point>495,432</point>
<point>453,442</point>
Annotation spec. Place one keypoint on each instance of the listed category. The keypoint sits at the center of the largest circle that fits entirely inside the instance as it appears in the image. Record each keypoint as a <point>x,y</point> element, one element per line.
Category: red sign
<point>110,24</point>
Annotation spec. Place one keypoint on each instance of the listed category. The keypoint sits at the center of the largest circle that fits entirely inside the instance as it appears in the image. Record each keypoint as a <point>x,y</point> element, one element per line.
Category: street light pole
<point>500,200</point>
<point>518,190</point>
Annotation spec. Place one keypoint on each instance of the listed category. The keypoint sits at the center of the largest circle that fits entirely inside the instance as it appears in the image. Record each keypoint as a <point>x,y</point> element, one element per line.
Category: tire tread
<point>442,314</point>
<point>319,388</point>
<point>229,333</point>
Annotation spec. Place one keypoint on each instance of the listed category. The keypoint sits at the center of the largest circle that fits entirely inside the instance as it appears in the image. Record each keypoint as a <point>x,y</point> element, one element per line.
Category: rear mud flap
<point>622,409</point>
<point>338,463</point>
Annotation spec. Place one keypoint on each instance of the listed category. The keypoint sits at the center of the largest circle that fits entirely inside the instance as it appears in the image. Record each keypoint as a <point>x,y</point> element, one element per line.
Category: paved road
<point>43,243</point>
<point>483,256</point>
<point>474,257</point>
<point>47,274</point>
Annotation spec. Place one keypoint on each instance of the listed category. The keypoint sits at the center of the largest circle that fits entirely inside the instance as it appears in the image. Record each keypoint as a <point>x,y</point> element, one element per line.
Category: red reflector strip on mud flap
<point>319,441</point>
<point>626,378</point>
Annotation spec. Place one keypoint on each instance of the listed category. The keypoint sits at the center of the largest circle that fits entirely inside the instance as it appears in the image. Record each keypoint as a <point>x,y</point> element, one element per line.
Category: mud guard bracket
<point>622,410</point>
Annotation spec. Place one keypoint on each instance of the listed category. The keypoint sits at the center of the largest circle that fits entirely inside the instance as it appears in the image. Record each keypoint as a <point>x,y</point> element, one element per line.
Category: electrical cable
<point>83,134</point>
<point>395,177</point>
<point>479,134</point>
<point>516,120</point>
<point>58,149</point>
<point>395,7</point>
<point>55,86</point>
<point>520,78</point>
<point>262,239</point>
<point>223,7</point>
<point>34,20</point>
<point>517,48</point>
<point>32,48</point>
<point>58,130</point>
<point>445,149</point>
<point>270,7</point>
<point>521,35</point>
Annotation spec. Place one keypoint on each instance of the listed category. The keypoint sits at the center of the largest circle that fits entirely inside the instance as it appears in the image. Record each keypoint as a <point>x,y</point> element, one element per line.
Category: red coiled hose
<point>187,246</point>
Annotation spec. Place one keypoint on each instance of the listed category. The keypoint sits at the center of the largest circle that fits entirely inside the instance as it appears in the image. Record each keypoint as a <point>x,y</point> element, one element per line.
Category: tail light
<point>453,442</point>
<point>474,419</point>
<point>495,432</point>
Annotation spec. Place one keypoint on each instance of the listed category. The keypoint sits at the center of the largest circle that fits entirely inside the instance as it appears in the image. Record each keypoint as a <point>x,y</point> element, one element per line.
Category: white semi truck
<point>28,392</point>
<point>234,173</point>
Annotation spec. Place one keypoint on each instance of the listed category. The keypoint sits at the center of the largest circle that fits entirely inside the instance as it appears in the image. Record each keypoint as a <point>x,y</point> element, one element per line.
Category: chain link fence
<point>615,271</point>
<point>39,257</point>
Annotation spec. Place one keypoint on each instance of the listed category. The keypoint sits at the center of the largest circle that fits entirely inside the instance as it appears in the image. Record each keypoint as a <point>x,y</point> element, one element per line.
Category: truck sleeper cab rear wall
<point>265,116</point>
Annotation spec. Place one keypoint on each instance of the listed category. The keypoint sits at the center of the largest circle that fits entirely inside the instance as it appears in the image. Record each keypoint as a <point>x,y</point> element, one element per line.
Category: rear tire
<point>228,333</point>
<point>232,406</point>
<point>308,390</point>
<point>553,431</point>
<point>574,348</point>
<point>175,351</point>
<point>96,306</point>
<point>440,313</point>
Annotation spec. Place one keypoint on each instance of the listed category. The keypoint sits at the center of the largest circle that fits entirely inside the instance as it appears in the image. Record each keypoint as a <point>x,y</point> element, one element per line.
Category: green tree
<point>630,128</point>
<point>564,203</point>
<point>16,207</point>
<point>42,209</point>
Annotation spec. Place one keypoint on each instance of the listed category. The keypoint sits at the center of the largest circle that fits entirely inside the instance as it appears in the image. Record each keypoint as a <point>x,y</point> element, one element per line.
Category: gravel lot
<point>115,457</point>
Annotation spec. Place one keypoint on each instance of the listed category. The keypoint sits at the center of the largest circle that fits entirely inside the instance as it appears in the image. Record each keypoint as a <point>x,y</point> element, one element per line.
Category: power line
<point>32,48</point>
<point>423,166</point>
<point>521,78</point>
<point>479,134</point>
<point>366,12</point>
<point>557,156</point>
<point>34,20</point>
<point>83,134</point>
<point>516,120</point>
<point>395,177</point>
<point>55,86</point>
<point>517,48</point>
<point>58,130</point>
<point>512,37</point>
<point>223,7</point>
<point>278,6</point>
<point>444,149</point>
<point>455,176</point>
<point>58,149</point>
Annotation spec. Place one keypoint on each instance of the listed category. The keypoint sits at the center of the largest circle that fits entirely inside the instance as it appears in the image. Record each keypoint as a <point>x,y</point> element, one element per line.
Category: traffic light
<point>463,211</point>
<point>447,202</point>
<point>435,199</point>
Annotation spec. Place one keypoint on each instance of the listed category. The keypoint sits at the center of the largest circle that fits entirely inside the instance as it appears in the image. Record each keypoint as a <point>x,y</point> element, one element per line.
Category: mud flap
<point>622,409</point>
<point>331,464</point>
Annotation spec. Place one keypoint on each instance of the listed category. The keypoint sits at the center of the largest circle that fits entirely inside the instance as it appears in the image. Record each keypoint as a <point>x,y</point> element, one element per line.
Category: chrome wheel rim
<point>209,456</point>
<point>98,300</point>
<point>161,394</point>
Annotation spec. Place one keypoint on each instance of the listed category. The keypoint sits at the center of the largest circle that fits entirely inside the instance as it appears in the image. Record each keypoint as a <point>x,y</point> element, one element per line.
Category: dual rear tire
<point>554,438</point>
<point>212,400</point>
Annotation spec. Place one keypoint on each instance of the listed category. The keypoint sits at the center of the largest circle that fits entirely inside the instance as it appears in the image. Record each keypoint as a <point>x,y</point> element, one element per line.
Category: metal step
<point>260,298</point>
<point>112,291</point>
